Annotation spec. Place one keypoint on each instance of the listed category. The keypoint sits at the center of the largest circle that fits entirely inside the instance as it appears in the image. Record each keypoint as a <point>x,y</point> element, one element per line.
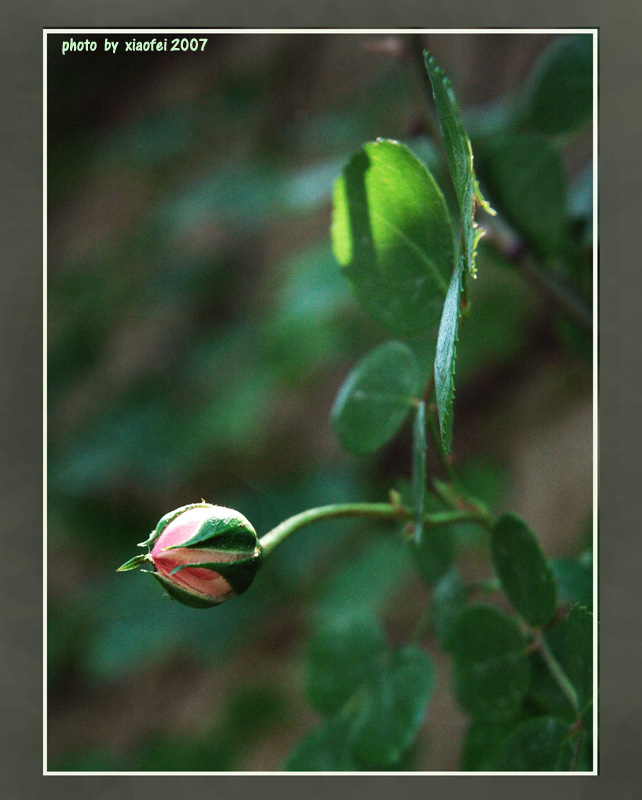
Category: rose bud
<point>203,554</point>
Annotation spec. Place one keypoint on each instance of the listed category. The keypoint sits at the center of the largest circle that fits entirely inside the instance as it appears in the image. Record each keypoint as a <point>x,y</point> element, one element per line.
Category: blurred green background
<point>198,330</point>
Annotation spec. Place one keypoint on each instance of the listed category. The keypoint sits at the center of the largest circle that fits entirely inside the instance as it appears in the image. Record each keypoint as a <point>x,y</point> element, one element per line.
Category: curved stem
<point>373,510</point>
<point>558,673</point>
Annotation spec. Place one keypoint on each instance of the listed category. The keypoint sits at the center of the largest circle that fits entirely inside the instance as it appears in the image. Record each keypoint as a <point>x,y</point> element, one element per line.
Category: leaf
<point>579,639</point>
<point>419,470</point>
<point>133,563</point>
<point>525,574</point>
<point>483,745</point>
<point>392,236</point>
<point>491,667</point>
<point>389,708</point>
<point>538,745</point>
<point>375,398</point>
<point>445,358</point>
<point>525,177</point>
<point>459,155</point>
<point>342,652</point>
<point>574,577</point>
<point>324,749</point>
<point>559,95</point>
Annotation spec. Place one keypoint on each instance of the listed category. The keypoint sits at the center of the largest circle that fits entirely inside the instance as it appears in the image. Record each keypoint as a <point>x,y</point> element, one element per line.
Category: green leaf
<point>392,236</point>
<point>538,745</point>
<point>459,155</point>
<point>525,574</point>
<point>525,177</point>
<point>133,563</point>
<point>491,666</point>
<point>559,95</point>
<point>579,639</point>
<point>342,652</point>
<point>389,708</point>
<point>445,358</point>
<point>483,745</point>
<point>419,470</point>
<point>375,398</point>
<point>448,602</point>
<point>325,749</point>
<point>574,577</point>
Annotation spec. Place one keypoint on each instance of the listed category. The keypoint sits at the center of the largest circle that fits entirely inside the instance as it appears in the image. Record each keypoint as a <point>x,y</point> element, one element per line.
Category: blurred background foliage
<point>198,330</point>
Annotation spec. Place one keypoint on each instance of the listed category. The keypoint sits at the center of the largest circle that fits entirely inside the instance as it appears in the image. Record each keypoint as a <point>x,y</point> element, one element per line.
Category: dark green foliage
<point>389,708</point>
<point>342,652</point>
<point>325,749</point>
<point>525,574</point>
<point>538,745</point>
<point>559,94</point>
<point>491,670</point>
<point>525,178</point>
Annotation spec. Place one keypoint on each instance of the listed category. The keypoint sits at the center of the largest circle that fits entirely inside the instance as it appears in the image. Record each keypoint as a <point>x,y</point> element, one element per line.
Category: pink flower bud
<point>203,554</point>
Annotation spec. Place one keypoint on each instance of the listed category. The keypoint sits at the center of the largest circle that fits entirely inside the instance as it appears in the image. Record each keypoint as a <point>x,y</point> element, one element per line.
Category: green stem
<point>373,510</point>
<point>558,673</point>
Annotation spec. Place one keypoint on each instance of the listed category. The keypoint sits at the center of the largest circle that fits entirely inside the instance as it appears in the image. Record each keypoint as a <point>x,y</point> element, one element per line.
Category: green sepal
<point>239,574</point>
<point>231,532</point>
<point>133,563</point>
<point>190,599</point>
<point>164,521</point>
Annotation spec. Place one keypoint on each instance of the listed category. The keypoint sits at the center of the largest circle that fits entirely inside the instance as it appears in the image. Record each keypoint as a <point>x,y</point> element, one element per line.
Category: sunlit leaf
<point>392,236</point>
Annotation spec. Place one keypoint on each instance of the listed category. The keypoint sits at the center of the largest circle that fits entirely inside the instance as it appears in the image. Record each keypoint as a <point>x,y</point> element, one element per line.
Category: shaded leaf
<point>392,236</point>
<point>376,397</point>
<point>491,666</point>
<point>389,708</point>
<point>525,177</point>
<point>342,652</point>
<point>574,578</point>
<point>538,745</point>
<point>525,574</point>
<point>483,745</point>
<point>559,95</point>
<point>324,749</point>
